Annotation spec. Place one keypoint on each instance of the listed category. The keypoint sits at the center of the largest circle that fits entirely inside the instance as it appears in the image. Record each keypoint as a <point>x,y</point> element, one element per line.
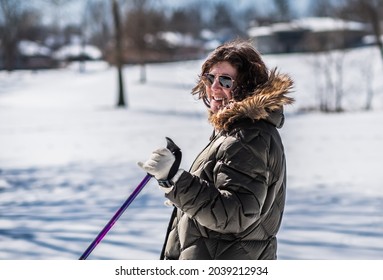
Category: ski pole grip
<point>171,145</point>
<point>176,151</point>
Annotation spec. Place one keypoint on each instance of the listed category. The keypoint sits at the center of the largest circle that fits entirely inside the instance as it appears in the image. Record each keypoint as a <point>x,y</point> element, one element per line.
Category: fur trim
<point>265,99</point>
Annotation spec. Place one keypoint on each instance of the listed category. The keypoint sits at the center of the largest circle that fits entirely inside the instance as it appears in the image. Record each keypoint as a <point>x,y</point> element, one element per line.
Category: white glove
<point>159,163</point>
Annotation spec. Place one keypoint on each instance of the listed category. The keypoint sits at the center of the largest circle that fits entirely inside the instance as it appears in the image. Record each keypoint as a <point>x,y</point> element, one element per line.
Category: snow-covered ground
<point>68,161</point>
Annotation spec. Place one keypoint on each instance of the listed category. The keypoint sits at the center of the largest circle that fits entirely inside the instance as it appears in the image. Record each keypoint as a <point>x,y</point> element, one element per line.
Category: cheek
<point>208,92</point>
<point>229,94</point>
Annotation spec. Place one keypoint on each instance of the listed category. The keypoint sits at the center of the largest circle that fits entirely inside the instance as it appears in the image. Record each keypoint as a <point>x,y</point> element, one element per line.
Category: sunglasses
<point>225,81</point>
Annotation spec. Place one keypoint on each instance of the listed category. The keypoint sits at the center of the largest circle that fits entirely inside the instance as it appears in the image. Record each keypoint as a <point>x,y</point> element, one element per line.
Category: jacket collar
<point>266,103</point>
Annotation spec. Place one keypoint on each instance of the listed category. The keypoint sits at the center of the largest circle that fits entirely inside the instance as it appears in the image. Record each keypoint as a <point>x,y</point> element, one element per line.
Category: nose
<point>216,84</point>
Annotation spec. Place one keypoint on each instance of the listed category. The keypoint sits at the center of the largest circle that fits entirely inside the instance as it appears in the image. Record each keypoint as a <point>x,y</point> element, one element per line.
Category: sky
<point>74,8</point>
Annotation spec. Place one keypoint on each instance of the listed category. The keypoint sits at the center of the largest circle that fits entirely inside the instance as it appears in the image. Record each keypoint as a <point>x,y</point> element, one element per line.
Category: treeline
<point>151,29</point>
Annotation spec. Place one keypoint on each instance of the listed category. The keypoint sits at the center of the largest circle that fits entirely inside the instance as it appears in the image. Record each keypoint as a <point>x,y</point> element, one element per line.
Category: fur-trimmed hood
<point>266,103</point>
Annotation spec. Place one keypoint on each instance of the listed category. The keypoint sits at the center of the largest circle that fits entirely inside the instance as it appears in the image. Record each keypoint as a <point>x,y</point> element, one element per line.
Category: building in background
<point>308,35</point>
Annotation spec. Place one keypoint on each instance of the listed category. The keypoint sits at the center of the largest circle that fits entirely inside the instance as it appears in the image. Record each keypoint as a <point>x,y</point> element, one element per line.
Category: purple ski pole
<point>177,153</point>
<point>116,216</point>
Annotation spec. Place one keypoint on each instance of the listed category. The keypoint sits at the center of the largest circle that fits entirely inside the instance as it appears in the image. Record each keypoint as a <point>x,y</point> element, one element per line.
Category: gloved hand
<point>159,163</point>
<point>164,163</point>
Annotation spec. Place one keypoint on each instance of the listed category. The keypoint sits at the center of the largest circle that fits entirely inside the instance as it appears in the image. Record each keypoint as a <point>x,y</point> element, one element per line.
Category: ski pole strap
<point>176,151</point>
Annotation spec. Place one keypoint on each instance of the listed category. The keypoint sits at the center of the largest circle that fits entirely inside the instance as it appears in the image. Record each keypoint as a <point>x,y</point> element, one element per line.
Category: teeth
<point>218,98</point>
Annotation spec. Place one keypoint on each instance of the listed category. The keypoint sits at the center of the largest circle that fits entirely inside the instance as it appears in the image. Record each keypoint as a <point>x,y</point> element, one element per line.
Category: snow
<point>314,24</point>
<point>177,39</point>
<point>29,48</point>
<point>323,24</point>
<point>76,50</point>
<point>68,161</point>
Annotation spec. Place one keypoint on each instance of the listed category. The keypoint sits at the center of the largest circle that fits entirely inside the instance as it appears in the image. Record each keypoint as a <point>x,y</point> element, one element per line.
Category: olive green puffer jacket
<point>230,204</point>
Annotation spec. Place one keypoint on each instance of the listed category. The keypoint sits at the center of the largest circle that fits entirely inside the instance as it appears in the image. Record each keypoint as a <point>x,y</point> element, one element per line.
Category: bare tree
<point>94,25</point>
<point>143,26</point>
<point>57,20</point>
<point>283,10</point>
<point>19,21</point>
<point>329,64</point>
<point>223,19</point>
<point>98,24</point>
<point>339,78</point>
<point>329,72</point>
<point>118,51</point>
<point>367,73</point>
<point>323,82</point>
<point>83,35</point>
<point>187,20</point>
<point>370,11</point>
<point>323,8</point>
<point>136,26</point>
<point>12,16</point>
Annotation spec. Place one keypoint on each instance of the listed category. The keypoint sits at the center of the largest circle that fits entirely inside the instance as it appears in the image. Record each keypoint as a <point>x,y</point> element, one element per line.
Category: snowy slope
<point>68,162</point>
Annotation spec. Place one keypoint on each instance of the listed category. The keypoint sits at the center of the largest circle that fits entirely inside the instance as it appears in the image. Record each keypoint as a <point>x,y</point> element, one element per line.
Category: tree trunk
<point>119,59</point>
<point>143,73</point>
<point>10,55</point>
<point>375,22</point>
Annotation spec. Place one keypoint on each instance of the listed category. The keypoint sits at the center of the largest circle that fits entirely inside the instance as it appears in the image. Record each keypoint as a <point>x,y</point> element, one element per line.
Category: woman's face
<point>219,84</point>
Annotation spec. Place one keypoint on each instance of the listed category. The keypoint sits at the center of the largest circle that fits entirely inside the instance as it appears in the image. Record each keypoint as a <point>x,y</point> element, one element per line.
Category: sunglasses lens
<point>210,78</point>
<point>225,81</point>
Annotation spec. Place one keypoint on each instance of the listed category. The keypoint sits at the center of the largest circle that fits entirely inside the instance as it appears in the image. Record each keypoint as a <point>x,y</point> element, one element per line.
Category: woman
<point>230,204</point>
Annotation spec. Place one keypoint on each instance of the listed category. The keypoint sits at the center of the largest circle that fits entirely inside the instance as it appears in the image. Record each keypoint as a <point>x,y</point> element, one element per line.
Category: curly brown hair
<point>252,71</point>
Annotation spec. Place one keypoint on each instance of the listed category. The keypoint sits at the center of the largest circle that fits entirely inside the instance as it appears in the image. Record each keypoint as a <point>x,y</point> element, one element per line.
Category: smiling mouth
<point>219,98</point>
<point>220,102</point>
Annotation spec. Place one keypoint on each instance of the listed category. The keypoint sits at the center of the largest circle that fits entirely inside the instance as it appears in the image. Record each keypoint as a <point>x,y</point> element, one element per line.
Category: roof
<point>30,48</point>
<point>75,50</point>
<point>313,24</point>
